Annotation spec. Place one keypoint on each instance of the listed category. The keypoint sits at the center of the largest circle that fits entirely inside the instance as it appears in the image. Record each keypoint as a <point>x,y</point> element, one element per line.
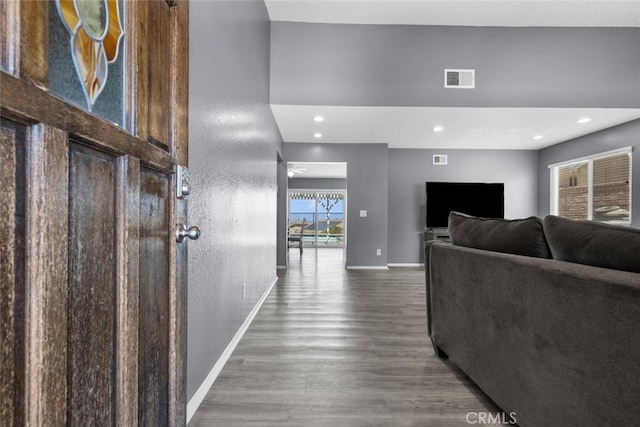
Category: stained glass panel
<point>87,55</point>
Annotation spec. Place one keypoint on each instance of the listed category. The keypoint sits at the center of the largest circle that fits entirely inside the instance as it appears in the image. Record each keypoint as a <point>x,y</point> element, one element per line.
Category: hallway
<point>335,347</point>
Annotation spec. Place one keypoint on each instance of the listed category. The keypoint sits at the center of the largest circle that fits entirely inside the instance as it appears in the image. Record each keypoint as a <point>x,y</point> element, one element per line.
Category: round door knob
<point>183,232</point>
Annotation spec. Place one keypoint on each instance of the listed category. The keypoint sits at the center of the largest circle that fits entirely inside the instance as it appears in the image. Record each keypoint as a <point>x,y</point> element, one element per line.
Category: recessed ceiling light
<point>317,135</point>
<point>538,137</point>
<point>438,129</point>
<point>584,120</point>
<point>318,119</point>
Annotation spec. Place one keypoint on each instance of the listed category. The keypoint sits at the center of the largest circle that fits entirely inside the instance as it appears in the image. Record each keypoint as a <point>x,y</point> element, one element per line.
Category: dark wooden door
<point>92,280</point>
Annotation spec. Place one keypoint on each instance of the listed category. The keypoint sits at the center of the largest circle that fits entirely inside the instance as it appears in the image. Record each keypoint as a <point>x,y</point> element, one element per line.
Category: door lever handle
<point>182,232</point>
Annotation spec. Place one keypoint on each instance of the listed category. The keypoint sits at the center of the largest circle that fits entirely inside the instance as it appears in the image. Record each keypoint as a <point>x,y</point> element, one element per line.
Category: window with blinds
<point>595,188</point>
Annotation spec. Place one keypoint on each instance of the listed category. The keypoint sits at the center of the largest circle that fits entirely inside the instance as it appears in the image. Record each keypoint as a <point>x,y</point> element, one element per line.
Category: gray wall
<point>282,201</point>
<point>367,189</point>
<point>233,164</point>
<point>625,135</point>
<point>389,65</point>
<point>318,183</point>
<point>410,169</point>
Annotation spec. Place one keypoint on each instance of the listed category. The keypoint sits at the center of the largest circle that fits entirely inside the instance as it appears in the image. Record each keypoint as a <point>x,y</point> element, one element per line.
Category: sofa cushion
<point>518,236</point>
<point>594,243</point>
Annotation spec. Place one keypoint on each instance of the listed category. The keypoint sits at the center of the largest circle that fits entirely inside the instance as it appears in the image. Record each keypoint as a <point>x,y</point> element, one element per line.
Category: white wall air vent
<point>439,159</point>
<point>460,79</point>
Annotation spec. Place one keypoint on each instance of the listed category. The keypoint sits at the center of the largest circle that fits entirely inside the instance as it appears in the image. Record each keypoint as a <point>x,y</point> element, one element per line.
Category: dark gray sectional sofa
<point>548,337</point>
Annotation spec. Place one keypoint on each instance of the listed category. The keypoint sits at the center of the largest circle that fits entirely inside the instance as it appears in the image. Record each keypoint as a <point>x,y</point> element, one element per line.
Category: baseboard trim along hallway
<point>405,264</point>
<point>202,391</point>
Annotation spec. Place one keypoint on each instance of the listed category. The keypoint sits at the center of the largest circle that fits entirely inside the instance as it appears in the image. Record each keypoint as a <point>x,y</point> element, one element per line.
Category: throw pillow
<point>594,243</point>
<point>517,236</point>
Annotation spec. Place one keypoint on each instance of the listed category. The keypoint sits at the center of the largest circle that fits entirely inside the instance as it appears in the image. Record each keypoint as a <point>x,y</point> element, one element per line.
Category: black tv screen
<point>472,198</point>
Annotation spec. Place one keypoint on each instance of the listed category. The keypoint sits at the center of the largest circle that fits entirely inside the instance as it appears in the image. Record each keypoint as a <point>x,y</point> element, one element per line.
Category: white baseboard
<point>367,267</point>
<point>202,391</point>
<point>406,264</point>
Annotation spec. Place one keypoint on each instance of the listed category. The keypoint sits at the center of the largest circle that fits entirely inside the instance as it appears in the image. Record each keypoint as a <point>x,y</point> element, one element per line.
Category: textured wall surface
<point>233,165</point>
<point>625,135</point>
<point>394,65</point>
<point>410,169</point>
<point>367,189</point>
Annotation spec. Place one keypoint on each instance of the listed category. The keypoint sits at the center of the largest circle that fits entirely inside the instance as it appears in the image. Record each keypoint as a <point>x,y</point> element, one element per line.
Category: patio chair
<point>297,238</point>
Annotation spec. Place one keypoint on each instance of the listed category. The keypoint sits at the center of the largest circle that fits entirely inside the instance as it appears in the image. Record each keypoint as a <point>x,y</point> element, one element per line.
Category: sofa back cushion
<point>518,236</point>
<point>594,243</point>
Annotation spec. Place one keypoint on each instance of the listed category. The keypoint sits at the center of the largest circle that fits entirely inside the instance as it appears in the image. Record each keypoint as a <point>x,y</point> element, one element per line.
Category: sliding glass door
<point>317,217</point>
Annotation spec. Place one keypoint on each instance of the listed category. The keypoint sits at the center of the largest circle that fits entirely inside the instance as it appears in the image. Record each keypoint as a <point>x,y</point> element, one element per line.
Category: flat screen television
<point>472,198</point>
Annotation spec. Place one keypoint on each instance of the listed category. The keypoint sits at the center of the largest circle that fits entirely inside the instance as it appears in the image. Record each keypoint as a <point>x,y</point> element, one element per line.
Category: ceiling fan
<point>292,170</point>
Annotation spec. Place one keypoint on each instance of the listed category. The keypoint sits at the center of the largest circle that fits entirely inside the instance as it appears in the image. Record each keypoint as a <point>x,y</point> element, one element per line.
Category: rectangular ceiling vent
<point>460,79</point>
<point>439,159</point>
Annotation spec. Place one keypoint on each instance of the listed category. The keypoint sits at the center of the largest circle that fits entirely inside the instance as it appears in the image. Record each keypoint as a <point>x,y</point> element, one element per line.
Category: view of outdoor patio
<point>318,217</point>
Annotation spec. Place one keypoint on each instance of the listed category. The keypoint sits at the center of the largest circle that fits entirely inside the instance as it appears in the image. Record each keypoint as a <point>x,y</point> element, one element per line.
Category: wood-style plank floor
<point>335,347</point>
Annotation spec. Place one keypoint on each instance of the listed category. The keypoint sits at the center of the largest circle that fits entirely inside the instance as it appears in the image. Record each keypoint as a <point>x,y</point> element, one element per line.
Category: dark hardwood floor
<point>335,347</point>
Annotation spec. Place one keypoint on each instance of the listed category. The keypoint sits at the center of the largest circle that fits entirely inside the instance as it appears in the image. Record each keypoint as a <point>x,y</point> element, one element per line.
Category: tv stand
<point>437,234</point>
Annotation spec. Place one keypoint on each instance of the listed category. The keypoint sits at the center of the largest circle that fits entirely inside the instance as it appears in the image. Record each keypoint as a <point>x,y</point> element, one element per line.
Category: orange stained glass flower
<point>95,29</point>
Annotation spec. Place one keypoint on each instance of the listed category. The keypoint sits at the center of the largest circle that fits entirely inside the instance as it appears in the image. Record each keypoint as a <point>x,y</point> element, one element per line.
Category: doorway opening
<point>316,209</point>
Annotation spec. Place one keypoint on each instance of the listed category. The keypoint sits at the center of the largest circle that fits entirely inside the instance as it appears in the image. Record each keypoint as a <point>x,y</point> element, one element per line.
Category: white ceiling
<point>318,169</point>
<point>499,13</point>
<point>411,127</point>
